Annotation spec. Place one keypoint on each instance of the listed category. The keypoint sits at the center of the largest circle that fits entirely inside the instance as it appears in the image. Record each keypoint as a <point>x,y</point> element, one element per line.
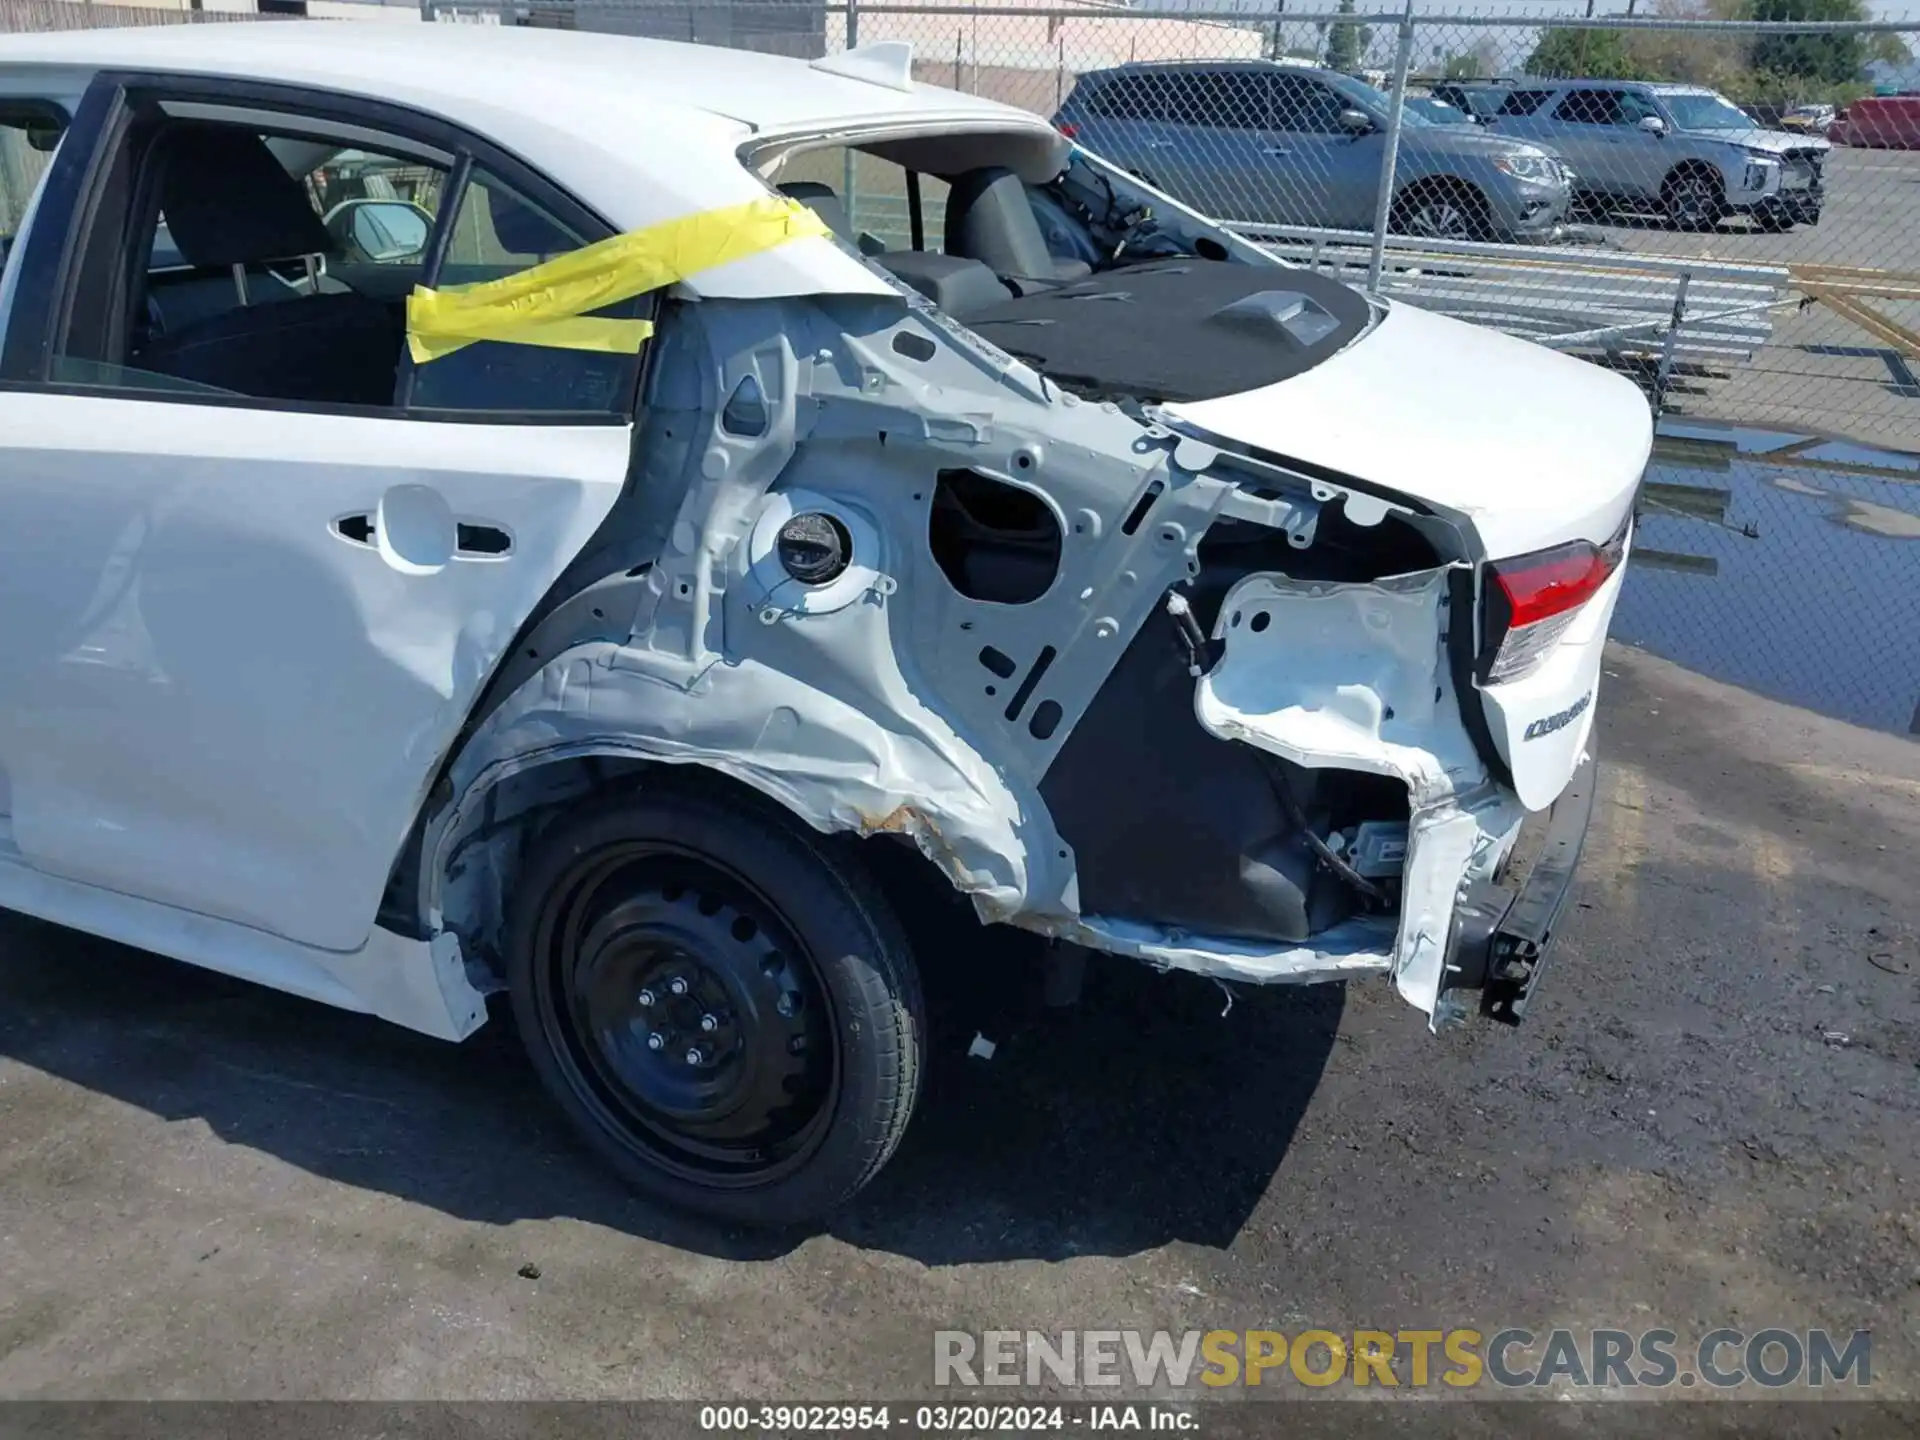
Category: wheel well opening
<point>484,857</point>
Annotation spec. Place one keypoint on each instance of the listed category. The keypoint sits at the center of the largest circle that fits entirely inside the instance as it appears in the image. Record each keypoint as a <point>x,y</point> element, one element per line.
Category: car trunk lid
<point>1530,447</point>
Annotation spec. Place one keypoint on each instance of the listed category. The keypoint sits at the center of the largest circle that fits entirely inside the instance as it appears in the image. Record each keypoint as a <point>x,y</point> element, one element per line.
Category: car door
<point>1310,152</point>
<point>1213,149</point>
<point>1643,158</point>
<point>1123,119</point>
<point>1350,159</point>
<point>1600,147</point>
<point>1532,115</point>
<point>239,631</point>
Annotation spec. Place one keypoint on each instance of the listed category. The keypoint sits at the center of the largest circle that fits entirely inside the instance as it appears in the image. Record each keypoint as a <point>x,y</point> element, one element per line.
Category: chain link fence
<point>1728,211</point>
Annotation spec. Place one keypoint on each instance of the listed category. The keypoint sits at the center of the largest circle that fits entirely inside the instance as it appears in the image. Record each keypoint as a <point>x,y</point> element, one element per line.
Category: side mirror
<point>1653,125</point>
<point>385,231</point>
<point>1355,122</point>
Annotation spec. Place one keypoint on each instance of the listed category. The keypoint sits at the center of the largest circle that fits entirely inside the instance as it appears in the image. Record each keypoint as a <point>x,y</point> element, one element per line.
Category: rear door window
<point>1134,97</point>
<point>1522,102</point>
<point>1592,107</point>
<point>1223,100</point>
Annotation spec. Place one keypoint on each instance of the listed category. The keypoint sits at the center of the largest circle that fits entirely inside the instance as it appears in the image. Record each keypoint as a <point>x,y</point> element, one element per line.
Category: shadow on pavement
<point>1139,1118</point>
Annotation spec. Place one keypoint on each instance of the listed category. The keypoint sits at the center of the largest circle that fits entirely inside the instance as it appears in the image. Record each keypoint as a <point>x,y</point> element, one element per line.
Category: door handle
<point>473,539</point>
<point>1276,150</point>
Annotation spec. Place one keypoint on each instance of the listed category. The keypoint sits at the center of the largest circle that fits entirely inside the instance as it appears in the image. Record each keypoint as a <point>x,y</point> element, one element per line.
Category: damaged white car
<point>478,518</point>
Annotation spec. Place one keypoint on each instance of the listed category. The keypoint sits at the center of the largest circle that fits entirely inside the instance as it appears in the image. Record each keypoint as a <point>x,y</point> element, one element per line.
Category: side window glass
<point>498,232</point>
<point>1591,107</point>
<point>1305,106</point>
<point>1228,100</point>
<point>1634,108</point>
<point>252,263</point>
<point>1522,102</point>
<point>28,137</point>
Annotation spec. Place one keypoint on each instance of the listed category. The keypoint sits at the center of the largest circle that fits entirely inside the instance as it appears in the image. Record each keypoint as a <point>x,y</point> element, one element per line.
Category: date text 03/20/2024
<point>941,1419</point>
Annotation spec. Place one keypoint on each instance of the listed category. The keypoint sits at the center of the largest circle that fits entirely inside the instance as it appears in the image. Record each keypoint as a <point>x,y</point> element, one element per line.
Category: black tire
<point>1693,198</point>
<point>1442,210</point>
<point>809,1072</point>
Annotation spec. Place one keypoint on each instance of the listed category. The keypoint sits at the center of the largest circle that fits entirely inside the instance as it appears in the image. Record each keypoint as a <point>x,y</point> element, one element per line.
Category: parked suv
<point>1283,144</point>
<point>1686,151</point>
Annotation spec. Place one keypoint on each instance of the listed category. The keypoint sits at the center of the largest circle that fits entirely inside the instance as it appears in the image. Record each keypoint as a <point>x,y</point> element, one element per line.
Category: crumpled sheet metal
<point>823,759</point>
<point>1356,676</point>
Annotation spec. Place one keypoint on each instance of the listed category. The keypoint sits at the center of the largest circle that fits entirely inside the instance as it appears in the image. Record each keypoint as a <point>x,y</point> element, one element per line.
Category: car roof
<point>457,69</point>
<point>1658,87</point>
<point>1292,65</point>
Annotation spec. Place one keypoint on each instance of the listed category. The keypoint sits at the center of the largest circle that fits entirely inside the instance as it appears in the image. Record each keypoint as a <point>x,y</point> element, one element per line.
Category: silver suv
<point>1685,151</point>
<point>1274,143</point>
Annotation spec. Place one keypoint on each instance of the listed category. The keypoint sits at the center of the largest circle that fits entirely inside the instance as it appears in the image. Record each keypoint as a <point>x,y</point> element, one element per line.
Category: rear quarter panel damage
<point>891,708</point>
<point>898,700</point>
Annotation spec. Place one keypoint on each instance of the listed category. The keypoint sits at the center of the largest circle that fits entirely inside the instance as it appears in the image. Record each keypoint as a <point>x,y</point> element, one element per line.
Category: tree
<point>1347,42</point>
<point>1478,63</point>
<point>1586,54</point>
<point>1830,59</point>
<point>1889,48</point>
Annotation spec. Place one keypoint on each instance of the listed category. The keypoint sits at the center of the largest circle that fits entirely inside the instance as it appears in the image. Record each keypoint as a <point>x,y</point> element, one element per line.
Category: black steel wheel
<point>726,1010</point>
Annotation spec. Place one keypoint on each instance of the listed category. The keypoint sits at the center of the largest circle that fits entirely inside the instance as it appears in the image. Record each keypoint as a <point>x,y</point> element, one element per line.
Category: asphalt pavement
<point>209,1190</point>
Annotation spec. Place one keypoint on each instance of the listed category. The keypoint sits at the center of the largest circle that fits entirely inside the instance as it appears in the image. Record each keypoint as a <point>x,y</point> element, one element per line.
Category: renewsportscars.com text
<point>1511,1358</point>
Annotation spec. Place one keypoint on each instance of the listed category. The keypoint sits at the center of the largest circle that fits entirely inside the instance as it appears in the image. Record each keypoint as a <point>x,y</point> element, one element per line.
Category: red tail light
<point>1532,600</point>
<point>1067,128</point>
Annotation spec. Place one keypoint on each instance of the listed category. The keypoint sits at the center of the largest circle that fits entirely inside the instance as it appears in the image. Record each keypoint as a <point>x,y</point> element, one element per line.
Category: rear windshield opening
<point>986,235</point>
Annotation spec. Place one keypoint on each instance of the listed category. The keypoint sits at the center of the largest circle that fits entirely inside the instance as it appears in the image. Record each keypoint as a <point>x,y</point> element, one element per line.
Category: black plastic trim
<point>1463,639</point>
<point>1516,950</point>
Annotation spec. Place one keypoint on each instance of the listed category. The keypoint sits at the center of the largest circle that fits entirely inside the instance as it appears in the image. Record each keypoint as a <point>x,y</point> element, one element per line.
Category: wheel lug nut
<point>656,1041</point>
<point>697,1055</point>
<point>677,985</point>
<point>785,1006</point>
<point>797,1045</point>
<point>709,1024</point>
<point>646,998</point>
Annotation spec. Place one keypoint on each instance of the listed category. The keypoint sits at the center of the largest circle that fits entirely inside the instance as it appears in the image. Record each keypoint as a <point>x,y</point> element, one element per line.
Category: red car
<point>1887,122</point>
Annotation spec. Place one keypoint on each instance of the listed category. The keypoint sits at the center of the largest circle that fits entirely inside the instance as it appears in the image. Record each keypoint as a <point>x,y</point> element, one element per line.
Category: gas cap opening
<point>814,548</point>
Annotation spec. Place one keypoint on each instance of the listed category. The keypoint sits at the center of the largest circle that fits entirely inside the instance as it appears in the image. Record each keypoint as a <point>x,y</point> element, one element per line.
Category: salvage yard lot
<point>210,1190</point>
<point>1819,371</point>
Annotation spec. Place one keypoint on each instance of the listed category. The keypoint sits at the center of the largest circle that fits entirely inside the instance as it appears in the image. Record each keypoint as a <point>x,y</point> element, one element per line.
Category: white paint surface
<point>208,698</point>
<point>1531,446</point>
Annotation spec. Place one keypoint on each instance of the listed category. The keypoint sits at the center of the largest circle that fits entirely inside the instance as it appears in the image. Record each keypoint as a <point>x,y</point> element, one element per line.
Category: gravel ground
<point>212,1191</point>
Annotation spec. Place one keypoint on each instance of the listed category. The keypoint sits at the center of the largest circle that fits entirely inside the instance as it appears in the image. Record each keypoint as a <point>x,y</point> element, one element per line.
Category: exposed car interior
<point>277,266</point>
<point>1027,266</point>
<point>231,207</point>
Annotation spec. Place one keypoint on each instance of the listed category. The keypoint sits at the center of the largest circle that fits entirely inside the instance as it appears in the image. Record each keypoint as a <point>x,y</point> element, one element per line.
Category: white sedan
<point>476,516</point>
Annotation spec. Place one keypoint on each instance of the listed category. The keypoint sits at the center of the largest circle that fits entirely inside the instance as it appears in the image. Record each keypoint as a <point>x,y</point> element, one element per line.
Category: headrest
<point>523,230</point>
<point>822,200</point>
<point>227,201</point>
<point>990,219</point>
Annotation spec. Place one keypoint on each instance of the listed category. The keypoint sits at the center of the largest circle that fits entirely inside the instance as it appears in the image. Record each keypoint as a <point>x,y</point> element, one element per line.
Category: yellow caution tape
<point>548,304</point>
